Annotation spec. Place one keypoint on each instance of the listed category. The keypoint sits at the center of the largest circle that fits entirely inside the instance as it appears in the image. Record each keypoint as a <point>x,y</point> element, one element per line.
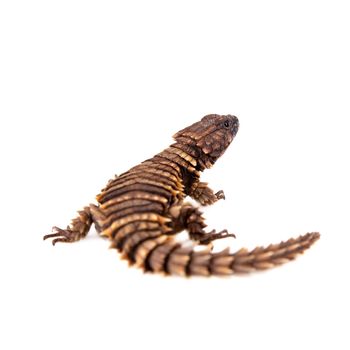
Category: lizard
<point>143,209</point>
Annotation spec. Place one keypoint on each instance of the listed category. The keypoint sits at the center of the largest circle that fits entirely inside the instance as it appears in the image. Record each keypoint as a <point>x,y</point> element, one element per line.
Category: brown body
<point>141,210</point>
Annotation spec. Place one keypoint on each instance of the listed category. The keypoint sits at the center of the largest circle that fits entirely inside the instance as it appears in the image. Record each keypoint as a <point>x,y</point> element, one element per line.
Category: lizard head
<point>209,137</point>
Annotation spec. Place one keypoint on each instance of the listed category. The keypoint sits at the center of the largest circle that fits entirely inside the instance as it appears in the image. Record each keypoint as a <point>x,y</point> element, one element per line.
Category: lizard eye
<point>226,124</point>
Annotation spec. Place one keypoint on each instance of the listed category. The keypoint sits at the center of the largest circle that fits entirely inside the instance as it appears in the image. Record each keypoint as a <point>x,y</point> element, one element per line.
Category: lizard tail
<point>163,254</point>
<point>245,261</point>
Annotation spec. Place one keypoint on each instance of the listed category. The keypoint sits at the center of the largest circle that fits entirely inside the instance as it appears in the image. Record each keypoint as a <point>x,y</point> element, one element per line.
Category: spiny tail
<point>163,254</point>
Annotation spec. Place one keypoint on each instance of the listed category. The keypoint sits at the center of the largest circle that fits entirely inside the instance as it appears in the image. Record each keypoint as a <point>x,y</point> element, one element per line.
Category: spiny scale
<point>143,209</point>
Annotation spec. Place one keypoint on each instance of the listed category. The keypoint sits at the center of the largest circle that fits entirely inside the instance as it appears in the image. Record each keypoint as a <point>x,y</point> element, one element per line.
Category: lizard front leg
<point>202,193</point>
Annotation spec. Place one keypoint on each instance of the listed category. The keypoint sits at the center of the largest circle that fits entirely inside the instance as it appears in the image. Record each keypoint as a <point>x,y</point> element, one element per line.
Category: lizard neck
<point>190,150</point>
<point>185,159</point>
<point>183,156</point>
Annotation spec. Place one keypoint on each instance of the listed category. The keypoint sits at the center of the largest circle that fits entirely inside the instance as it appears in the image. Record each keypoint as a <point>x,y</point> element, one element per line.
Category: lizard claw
<point>66,236</point>
<point>222,234</point>
<point>220,195</point>
<point>213,235</point>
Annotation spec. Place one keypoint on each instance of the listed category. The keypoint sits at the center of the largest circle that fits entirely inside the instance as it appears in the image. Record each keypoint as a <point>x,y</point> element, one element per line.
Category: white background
<point>91,88</point>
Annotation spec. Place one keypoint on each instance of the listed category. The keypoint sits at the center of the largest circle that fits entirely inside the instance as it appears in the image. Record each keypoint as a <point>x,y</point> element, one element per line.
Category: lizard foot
<point>220,195</point>
<point>66,236</point>
<point>206,238</point>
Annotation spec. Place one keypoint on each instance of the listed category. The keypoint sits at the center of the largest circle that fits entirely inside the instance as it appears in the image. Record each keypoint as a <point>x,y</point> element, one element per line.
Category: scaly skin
<point>141,210</point>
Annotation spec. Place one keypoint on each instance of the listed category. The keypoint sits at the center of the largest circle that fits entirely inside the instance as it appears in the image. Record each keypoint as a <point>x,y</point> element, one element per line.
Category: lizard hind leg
<point>79,226</point>
<point>188,217</point>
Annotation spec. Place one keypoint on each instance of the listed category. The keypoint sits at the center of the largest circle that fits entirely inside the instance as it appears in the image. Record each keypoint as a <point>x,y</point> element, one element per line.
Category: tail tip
<point>315,235</point>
